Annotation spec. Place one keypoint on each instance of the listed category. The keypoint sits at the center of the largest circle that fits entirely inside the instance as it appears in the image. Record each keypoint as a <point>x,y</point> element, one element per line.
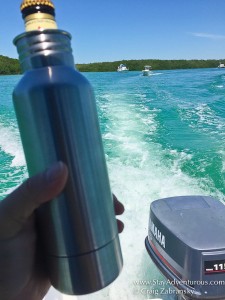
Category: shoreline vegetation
<point>10,66</point>
<point>156,64</point>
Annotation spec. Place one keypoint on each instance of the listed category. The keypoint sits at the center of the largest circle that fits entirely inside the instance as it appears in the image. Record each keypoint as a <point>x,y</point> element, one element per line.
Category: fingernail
<point>54,172</point>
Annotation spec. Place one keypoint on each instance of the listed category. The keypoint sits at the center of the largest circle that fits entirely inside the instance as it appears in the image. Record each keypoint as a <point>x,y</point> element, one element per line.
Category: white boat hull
<point>123,71</point>
<point>146,73</point>
<point>122,68</point>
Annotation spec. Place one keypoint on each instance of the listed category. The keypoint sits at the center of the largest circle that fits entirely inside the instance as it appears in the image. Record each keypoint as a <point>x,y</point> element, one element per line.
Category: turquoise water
<point>163,136</point>
<point>12,163</point>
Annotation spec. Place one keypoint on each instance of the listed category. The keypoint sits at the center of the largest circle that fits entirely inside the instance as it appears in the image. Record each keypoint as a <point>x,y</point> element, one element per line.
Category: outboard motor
<point>186,241</point>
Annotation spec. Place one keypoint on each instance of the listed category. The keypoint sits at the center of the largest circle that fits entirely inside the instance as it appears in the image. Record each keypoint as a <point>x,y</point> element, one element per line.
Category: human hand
<point>119,210</point>
<point>22,275</point>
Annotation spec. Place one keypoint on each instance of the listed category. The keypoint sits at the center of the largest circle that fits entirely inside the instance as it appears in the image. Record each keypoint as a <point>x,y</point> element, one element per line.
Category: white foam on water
<point>137,188</point>
<point>222,155</point>
<point>10,143</point>
<point>13,166</point>
<point>203,119</point>
<point>139,174</point>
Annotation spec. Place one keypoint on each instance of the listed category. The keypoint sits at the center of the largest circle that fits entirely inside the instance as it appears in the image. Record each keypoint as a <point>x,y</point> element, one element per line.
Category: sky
<point>113,30</point>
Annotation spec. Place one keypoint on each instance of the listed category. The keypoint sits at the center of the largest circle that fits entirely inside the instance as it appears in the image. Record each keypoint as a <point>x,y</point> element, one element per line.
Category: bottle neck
<point>40,21</point>
<point>39,17</point>
<point>38,49</point>
<point>36,9</point>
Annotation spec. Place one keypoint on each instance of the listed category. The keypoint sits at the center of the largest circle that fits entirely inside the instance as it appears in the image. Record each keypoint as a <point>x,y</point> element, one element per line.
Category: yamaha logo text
<point>158,235</point>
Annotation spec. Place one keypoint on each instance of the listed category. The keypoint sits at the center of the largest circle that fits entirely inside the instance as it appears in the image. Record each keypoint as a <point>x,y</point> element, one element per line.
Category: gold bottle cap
<point>27,3</point>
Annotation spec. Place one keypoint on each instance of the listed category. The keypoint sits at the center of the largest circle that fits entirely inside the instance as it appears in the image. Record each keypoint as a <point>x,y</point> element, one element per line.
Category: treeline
<point>9,66</point>
<point>157,64</point>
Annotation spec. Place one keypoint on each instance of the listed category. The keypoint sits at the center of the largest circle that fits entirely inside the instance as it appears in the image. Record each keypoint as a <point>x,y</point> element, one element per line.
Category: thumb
<point>16,208</point>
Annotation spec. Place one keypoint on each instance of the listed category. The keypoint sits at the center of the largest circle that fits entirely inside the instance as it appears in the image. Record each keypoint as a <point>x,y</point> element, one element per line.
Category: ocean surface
<point>164,135</point>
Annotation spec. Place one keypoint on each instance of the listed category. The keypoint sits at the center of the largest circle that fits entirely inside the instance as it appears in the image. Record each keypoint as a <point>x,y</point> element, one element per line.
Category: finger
<point>118,206</point>
<point>120,226</point>
<point>20,204</point>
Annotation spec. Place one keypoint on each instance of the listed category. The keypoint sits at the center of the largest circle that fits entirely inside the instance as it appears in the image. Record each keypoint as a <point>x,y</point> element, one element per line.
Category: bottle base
<point>88,273</point>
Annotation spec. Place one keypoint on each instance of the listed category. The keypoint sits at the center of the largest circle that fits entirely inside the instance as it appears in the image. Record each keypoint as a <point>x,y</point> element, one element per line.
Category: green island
<point>11,66</point>
<point>156,64</point>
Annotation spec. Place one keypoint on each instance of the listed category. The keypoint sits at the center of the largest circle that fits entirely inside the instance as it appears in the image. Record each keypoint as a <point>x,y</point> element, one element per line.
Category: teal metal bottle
<point>57,118</point>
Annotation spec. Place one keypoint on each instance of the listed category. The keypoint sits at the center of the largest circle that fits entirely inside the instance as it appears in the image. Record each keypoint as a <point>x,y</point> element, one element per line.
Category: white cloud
<point>208,35</point>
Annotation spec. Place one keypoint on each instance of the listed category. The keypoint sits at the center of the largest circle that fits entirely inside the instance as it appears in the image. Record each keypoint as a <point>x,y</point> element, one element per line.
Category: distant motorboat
<point>122,68</point>
<point>146,71</point>
<point>221,65</point>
